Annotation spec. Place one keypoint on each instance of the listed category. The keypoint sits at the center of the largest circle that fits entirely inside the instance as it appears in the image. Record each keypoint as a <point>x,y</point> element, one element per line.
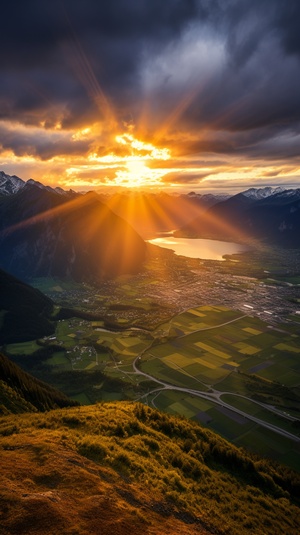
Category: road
<point>212,327</point>
<point>215,397</point>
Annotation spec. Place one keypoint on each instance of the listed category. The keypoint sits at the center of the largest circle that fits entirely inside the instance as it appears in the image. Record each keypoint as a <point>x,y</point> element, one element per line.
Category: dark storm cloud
<point>287,22</point>
<point>49,47</point>
<point>228,66</point>
<point>42,146</point>
<point>257,143</point>
<point>251,82</point>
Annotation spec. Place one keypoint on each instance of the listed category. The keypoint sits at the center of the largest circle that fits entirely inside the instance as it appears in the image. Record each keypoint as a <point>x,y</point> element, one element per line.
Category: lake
<point>199,248</point>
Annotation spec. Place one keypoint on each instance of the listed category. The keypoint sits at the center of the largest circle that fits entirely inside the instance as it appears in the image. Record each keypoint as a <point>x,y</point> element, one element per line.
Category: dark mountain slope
<point>120,468</point>
<point>20,392</point>
<point>24,311</point>
<point>275,219</point>
<point>221,221</point>
<point>43,233</point>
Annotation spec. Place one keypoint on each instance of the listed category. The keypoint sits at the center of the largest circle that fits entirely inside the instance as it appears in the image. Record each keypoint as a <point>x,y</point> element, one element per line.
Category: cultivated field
<point>239,364</point>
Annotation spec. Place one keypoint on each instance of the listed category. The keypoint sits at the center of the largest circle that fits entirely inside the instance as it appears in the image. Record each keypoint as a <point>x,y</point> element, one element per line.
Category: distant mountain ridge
<point>262,193</point>
<point>152,213</point>
<point>148,213</point>
<point>59,190</point>
<point>270,214</point>
<point>10,185</point>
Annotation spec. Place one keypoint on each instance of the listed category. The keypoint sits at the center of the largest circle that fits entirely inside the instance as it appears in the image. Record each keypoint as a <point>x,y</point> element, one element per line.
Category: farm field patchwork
<point>223,359</point>
<point>244,344</point>
<point>210,349</point>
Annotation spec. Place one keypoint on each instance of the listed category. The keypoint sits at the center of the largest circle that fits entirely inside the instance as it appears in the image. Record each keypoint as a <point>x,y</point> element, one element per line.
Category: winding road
<point>214,395</point>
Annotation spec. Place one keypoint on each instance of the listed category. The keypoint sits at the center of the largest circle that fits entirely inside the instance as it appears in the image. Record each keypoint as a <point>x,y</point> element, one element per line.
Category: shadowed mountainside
<point>43,233</point>
<point>20,392</point>
<point>275,219</point>
<point>25,313</point>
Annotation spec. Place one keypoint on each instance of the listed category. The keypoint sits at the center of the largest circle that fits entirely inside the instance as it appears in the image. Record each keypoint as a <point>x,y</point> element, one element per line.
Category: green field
<point>207,349</point>
<point>243,356</point>
<point>227,344</point>
<point>25,348</point>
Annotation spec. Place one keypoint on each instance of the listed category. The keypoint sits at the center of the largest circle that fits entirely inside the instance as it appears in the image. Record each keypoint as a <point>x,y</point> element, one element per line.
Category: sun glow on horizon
<point>131,169</point>
<point>124,160</point>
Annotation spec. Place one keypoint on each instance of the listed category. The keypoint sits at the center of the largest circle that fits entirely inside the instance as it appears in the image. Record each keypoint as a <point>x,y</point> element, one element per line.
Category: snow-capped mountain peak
<point>32,182</point>
<point>262,193</point>
<point>10,184</point>
<point>58,189</point>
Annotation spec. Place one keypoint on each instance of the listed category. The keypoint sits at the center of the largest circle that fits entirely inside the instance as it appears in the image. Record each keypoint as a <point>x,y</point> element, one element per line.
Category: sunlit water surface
<point>199,248</point>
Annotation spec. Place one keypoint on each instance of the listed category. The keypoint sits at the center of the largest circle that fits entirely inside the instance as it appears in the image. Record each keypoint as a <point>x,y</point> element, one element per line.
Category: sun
<point>136,172</point>
<point>131,163</point>
<point>128,162</point>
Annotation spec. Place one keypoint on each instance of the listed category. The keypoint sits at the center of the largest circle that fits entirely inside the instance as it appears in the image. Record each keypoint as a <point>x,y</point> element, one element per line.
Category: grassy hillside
<point>20,392</point>
<point>122,467</point>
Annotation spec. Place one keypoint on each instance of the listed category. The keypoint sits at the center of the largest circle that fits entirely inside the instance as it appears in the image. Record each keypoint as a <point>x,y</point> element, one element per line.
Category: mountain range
<point>12,184</point>
<point>268,213</point>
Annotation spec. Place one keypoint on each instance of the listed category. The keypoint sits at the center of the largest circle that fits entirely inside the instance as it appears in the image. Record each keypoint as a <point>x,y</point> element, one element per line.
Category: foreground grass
<point>149,472</point>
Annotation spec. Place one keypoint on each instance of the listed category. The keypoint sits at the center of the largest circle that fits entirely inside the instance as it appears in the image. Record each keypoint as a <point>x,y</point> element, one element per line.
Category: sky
<point>175,95</point>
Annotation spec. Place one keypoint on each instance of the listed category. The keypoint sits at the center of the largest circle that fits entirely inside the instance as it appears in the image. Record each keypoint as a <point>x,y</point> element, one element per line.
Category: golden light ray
<point>143,118</point>
<point>87,77</point>
<point>93,88</point>
<point>56,211</point>
<point>212,223</point>
<point>111,245</point>
<point>129,207</point>
<point>148,213</point>
<point>158,214</point>
<point>175,115</point>
<point>138,173</point>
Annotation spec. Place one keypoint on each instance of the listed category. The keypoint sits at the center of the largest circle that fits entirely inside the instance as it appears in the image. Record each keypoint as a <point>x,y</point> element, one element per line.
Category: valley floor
<point>164,345</point>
